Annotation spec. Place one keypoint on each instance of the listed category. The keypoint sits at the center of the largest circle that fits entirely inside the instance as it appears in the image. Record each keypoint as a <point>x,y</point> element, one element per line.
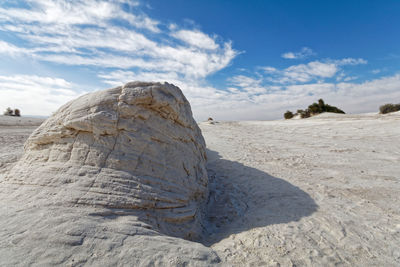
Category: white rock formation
<point>105,180</point>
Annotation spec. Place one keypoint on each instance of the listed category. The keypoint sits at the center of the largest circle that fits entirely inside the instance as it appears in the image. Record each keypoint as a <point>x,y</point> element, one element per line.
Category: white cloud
<point>10,49</point>
<point>350,78</point>
<point>35,95</point>
<point>79,12</point>
<point>314,70</point>
<point>340,76</point>
<point>120,77</point>
<point>248,84</point>
<point>289,55</point>
<point>376,71</point>
<point>244,81</point>
<point>306,72</point>
<point>350,61</point>
<point>269,69</point>
<point>304,52</point>
<point>86,33</point>
<point>196,38</point>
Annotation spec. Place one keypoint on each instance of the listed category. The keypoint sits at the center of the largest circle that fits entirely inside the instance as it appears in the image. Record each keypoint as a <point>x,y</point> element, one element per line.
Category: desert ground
<point>13,133</point>
<point>322,191</point>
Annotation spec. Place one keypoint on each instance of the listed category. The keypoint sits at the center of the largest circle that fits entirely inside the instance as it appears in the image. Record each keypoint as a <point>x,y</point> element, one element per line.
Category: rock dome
<point>127,161</point>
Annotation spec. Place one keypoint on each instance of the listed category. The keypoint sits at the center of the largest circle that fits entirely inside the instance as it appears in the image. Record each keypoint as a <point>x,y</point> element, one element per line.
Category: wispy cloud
<point>248,84</point>
<point>269,69</point>
<point>314,70</point>
<point>196,39</point>
<point>303,53</point>
<point>103,34</point>
<point>11,50</point>
<point>375,71</point>
<point>307,72</point>
<point>349,61</point>
<point>79,12</point>
<point>350,78</point>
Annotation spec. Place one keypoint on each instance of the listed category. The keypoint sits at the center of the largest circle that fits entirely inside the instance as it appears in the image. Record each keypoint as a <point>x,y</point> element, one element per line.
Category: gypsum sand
<point>319,191</point>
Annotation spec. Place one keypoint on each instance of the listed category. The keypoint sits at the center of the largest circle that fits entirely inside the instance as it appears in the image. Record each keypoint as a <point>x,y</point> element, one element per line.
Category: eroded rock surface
<point>106,179</point>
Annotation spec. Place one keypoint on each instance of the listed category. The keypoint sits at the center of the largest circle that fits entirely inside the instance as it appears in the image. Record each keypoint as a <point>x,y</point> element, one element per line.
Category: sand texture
<point>322,191</point>
<point>20,121</point>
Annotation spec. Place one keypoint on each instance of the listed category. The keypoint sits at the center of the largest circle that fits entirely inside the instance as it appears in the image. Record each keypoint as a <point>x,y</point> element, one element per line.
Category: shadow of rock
<point>242,198</point>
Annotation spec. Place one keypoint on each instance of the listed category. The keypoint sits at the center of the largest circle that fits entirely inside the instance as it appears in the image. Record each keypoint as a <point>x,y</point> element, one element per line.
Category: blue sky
<point>234,60</point>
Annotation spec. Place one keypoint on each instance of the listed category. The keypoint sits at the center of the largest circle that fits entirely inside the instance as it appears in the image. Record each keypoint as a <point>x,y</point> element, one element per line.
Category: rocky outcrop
<point>109,166</point>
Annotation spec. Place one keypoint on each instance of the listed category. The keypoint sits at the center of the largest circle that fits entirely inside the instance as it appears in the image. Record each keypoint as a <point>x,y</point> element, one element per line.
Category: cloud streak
<point>103,34</point>
<point>303,53</point>
<point>314,70</point>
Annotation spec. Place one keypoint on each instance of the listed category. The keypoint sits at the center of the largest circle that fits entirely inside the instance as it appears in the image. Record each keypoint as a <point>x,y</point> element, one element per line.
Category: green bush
<point>10,112</point>
<point>288,115</point>
<point>305,114</point>
<point>333,109</point>
<point>314,108</point>
<point>17,112</point>
<point>387,108</point>
<point>317,108</point>
<point>320,107</point>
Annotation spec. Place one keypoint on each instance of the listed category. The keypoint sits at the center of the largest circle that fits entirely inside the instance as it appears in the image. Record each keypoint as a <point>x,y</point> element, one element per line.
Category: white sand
<point>20,121</point>
<point>13,133</point>
<point>322,191</point>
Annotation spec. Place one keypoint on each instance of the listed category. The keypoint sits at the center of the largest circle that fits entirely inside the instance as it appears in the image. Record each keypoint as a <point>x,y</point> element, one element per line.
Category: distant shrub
<point>334,109</point>
<point>8,112</point>
<point>305,114</point>
<point>320,107</point>
<point>314,108</point>
<point>317,108</point>
<point>210,119</point>
<point>387,108</point>
<point>17,112</point>
<point>288,115</point>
